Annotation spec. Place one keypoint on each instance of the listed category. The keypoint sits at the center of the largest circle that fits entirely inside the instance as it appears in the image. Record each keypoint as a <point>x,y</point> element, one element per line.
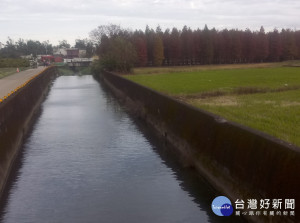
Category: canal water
<point>86,160</point>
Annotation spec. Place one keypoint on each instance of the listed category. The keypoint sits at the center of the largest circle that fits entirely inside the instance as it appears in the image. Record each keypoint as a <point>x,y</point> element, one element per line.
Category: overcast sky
<point>55,20</point>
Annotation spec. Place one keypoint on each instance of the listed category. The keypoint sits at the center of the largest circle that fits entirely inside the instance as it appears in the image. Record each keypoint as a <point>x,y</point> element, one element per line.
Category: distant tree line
<point>21,47</point>
<point>14,49</point>
<point>13,62</point>
<point>190,47</point>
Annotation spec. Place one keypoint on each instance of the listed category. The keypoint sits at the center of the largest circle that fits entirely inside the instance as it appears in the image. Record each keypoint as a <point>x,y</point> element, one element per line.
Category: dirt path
<point>11,82</point>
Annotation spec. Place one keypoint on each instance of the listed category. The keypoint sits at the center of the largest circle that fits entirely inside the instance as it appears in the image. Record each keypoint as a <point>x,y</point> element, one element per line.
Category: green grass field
<point>266,98</point>
<point>9,71</point>
<point>220,80</point>
<point>276,113</point>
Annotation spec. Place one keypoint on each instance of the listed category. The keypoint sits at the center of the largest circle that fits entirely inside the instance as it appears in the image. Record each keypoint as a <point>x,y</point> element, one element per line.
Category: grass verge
<point>267,99</point>
<point>220,80</point>
<point>277,113</point>
<point>4,72</point>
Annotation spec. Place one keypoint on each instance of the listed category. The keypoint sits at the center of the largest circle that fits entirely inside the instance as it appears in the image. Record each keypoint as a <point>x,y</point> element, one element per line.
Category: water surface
<point>87,160</point>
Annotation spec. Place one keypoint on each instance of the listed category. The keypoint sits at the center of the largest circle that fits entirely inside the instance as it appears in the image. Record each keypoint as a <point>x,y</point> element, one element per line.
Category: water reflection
<point>201,192</point>
<point>87,160</point>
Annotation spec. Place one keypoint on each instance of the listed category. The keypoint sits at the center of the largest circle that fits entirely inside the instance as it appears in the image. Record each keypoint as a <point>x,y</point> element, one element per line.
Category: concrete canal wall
<point>16,114</point>
<point>241,162</point>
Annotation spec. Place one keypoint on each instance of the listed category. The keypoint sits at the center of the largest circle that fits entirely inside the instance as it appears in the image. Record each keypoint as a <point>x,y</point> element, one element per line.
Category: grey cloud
<point>87,14</point>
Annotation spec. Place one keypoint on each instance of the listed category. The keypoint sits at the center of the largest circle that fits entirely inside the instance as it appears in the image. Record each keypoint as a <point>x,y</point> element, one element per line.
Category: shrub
<point>119,55</point>
<point>13,62</point>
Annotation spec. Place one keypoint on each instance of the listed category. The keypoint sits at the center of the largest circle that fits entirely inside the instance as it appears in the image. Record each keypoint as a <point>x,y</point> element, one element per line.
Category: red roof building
<point>58,59</point>
<point>72,53</point>
<point>47,58</point>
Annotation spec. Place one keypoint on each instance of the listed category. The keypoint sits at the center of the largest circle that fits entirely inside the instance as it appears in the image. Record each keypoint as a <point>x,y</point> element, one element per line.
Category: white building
<point>60,51</point>
<point>82,53</point>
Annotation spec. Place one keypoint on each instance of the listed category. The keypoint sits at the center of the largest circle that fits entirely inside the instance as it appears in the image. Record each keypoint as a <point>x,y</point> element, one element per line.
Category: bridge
<point>78,62</point>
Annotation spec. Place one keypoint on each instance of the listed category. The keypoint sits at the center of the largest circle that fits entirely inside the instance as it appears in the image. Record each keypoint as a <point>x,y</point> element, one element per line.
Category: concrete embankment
<point>240,162</point>
<point>12,82</point>
<point>16,114</point>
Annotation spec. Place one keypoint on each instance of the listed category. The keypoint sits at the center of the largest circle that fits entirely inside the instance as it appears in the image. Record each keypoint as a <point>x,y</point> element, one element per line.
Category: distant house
<point>60,52</point>
<point>72,53</point>
<point>58,59</point>
<point>47,58</point>
<point>82,53</point>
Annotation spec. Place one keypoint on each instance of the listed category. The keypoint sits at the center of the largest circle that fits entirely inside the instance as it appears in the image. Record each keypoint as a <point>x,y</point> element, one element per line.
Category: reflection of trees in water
<point>201,192</point>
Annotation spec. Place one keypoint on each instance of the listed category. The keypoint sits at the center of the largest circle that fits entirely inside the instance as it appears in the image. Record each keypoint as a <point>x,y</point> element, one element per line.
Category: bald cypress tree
<point>236,46</point>
<point>158,51</point>
<point>262,46</point>
<point>207,44</point>
<point>167,46</point>
<point>139,41</point>
<point>275,46</point>
<point>249,46</point>
<point>175,47</point>
<point>149,33</point>
<point>297,37</point>
<point>289,46</point>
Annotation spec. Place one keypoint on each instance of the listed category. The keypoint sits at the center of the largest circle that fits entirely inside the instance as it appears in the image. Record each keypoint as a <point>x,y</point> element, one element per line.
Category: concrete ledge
<point>241,162</point>
<point>16,114</point>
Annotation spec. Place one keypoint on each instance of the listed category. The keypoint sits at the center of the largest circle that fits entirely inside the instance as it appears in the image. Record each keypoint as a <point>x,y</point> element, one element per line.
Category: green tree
<point>85,44</point>
<point>63,43</point>
<point>80,44</point>
<point>22,47</point>
<point>158,51</point>
<point>34,48</point>
<point>10,49</point>
<point>120,55</point>
<point>90,49</point>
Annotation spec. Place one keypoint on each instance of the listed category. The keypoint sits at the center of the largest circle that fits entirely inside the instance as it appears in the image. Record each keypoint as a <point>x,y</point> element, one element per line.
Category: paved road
<point>9,83</point>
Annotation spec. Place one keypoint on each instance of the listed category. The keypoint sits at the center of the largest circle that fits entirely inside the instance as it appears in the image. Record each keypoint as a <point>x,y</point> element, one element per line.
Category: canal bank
<point>87,160</point>
<point>12,82</point>
<point>17,109</point>
<point>241,162</point>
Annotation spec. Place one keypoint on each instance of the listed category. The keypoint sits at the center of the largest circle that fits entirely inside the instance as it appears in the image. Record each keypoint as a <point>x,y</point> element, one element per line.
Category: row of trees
<point>21,47</point>
<point>14,49</point>
<point>188,47</point>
